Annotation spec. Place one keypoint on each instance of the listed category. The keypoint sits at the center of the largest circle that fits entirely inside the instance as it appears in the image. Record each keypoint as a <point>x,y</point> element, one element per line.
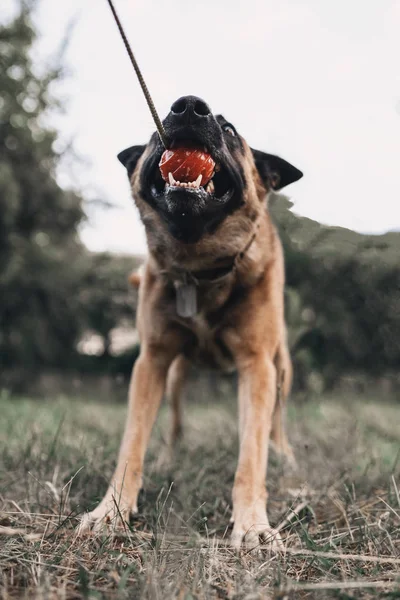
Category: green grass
<point>56,456</point>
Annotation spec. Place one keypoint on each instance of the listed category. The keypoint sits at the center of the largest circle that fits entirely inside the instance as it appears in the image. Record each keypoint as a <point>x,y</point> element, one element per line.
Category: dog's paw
<point>109,514</point>
<point>254,534</point>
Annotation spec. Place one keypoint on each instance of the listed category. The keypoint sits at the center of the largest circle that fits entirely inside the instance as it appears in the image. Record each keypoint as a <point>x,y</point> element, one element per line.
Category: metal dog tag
<point>186,299</point>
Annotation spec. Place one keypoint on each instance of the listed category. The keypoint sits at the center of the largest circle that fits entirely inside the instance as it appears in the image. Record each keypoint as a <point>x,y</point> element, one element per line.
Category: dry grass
<point>339,515</point>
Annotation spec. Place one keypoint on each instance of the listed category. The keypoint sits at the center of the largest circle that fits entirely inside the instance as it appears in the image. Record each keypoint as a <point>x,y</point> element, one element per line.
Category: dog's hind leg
<point>284,372</point>
<point>175,382</point>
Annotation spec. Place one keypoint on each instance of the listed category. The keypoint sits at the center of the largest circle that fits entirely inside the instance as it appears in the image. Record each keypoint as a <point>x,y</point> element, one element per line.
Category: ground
<point>339,514</point>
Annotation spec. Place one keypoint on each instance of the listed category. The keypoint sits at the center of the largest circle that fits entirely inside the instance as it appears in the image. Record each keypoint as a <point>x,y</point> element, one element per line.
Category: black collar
<point>203,276</point>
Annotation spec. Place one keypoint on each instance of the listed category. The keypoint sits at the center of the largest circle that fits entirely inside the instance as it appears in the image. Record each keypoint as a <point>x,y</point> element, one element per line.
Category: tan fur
<point>134,279</point>
<point>248,334</point>
<point>175,381</point>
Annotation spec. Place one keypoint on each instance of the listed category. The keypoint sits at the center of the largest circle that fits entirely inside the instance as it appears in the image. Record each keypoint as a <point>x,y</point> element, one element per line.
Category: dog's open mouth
<point>191,172</point>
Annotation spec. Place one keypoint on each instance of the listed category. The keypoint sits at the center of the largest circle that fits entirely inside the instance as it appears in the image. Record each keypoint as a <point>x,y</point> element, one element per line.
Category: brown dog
<point>211,292</point>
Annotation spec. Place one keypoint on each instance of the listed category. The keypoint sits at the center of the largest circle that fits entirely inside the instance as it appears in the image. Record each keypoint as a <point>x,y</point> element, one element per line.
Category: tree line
<point>342,293</point>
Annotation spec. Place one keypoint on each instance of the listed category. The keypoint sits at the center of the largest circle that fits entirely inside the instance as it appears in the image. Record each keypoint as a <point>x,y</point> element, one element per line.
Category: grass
<point>339,514</point>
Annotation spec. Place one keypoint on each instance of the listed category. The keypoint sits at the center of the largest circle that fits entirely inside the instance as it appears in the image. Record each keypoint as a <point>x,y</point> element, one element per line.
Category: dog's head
<point>189,212</point>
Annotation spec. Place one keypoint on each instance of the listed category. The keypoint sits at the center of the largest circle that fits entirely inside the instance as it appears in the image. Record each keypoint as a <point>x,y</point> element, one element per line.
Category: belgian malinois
<point>211,292</point>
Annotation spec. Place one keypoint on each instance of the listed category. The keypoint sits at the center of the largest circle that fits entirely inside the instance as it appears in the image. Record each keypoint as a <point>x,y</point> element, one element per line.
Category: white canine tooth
<point>198,181</point>
<point>171,179</point>
<point>210,187</point>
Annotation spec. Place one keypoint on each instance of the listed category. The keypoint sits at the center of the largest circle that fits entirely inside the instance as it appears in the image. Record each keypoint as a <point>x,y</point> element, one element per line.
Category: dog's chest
<point>204,341</point>
<point>206,347</point>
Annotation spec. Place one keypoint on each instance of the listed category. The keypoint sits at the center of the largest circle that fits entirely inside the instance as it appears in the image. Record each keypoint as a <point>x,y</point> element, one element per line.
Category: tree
<point>39,246</point>
<point>342,291</point>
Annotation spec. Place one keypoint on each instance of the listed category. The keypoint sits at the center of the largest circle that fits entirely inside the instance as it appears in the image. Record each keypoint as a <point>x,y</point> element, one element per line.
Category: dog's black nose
<point>190,109</point>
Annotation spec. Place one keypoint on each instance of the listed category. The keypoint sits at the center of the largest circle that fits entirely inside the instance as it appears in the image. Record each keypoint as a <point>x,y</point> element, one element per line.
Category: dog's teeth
<point>197,183</point>
<point>210,187</point>
<point>171,179</point>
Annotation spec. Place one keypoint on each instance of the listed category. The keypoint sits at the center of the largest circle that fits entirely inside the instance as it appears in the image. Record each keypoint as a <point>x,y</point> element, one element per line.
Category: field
<point>339,514</point>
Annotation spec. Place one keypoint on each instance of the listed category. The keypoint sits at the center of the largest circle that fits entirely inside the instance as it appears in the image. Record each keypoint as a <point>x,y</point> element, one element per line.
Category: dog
<point>212,292</point>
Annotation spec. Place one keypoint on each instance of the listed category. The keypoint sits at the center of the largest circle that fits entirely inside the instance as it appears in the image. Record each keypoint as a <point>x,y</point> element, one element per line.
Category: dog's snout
<point>190,120</point>
<point>179,107</point>
<point>201,109</point>
<point>190,109</point>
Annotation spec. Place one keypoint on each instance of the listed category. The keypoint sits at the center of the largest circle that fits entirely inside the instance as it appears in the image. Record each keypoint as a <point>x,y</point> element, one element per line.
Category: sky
<point>315,81</point>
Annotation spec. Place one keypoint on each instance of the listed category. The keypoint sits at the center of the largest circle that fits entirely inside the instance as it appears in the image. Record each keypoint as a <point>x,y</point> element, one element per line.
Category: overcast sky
<point>315,81</point>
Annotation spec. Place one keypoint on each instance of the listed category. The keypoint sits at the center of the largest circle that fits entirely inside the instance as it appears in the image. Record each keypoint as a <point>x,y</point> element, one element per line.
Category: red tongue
<point>186,165</point>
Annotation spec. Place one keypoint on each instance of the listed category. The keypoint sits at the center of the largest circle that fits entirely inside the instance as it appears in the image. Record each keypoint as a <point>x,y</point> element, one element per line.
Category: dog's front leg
<point>145,394</point>
<point>257,389</point>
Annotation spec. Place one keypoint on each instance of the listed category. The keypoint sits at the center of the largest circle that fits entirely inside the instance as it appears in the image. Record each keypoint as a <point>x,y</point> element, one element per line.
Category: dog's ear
<point>130,157</point>
<point>275,172</point>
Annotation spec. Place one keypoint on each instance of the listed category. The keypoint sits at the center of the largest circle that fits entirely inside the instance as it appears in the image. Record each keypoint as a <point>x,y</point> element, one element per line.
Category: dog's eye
<point>229,129</point>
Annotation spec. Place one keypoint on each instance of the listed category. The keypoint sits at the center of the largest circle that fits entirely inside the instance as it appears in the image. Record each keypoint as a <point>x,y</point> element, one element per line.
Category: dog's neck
<point>238,252</point>
<point>221,268</point>
<point>246,231</point>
